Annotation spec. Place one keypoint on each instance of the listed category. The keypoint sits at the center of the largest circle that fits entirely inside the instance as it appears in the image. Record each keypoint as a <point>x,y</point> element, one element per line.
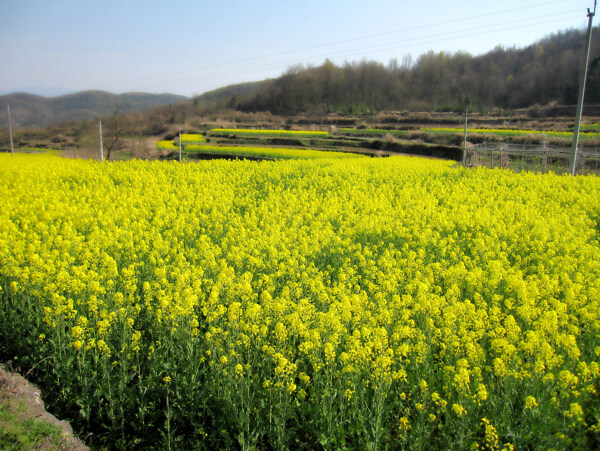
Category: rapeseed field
<point>335,303</point>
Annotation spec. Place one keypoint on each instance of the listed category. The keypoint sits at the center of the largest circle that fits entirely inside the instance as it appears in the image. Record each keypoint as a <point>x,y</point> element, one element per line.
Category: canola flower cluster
<point>192,138</point>
<point>268,133</point>
<point>362,303</point>
<point>186,139</point>
<point>167,145</point>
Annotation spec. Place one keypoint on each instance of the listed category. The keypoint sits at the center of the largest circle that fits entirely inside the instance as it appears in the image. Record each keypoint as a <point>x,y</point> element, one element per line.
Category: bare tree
<point>114,130</point>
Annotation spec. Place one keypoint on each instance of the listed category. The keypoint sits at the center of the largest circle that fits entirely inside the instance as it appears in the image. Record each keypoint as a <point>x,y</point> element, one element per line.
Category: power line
<point>360,38</point>
<point>405,42</point>
<point>573,158</point>
<point>435,38</point>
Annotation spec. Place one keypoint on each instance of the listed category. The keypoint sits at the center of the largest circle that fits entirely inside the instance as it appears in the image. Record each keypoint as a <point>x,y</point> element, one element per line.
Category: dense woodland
<point>547,71</point>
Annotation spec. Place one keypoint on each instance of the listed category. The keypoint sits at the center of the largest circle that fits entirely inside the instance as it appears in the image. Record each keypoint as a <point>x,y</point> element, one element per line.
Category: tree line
<point>544,72</point>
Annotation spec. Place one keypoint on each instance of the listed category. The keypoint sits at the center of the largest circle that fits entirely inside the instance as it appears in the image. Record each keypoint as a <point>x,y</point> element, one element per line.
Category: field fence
<point>536,158</point>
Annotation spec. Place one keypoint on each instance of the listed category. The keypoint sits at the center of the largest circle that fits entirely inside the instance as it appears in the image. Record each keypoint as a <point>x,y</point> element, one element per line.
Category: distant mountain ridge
<point>30,110</point>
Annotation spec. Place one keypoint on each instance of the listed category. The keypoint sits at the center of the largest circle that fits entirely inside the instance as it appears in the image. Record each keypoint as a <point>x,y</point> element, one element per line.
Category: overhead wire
<point>345,41</point>
<point>434,38</point>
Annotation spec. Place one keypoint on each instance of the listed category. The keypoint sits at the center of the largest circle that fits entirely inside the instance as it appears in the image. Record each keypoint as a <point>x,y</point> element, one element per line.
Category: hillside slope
<point>229,92</point>
<point>28,110</point>
<point>544,72</point>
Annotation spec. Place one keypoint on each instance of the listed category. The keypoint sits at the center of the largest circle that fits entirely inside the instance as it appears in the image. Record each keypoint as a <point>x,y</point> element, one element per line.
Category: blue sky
<point>52,47</point>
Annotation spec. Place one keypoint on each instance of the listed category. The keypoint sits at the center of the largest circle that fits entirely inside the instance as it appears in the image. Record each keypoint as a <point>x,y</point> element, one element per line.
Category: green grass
<point>591,128</point>
<point>18,432</point>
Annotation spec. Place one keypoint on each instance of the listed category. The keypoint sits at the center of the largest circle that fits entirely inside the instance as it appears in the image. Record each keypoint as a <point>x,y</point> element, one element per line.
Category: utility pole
<point>180,145</point>
<point>12,149</point>
<point>101,149</point>
<point>465,142</point>
<point>573,159</point>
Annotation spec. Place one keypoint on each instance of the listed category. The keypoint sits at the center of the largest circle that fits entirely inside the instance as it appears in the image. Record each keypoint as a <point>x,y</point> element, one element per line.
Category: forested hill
<point>541,73</point>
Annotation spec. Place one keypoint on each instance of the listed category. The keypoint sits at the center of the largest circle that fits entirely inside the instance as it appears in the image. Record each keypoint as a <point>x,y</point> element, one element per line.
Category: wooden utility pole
<point>101,149</point>
<point>12,149</point>
<point>573,159</point>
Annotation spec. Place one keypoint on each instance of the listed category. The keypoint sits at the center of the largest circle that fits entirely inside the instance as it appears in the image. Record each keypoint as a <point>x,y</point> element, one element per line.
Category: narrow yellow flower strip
<point>507,132</point>
<point>371,131</point>
<point>267,152</point>
<point>357,303</point>
<point>267,133</point>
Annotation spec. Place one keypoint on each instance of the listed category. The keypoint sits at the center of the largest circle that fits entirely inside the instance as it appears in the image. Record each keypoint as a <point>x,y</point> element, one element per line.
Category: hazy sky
<point>53,47</point>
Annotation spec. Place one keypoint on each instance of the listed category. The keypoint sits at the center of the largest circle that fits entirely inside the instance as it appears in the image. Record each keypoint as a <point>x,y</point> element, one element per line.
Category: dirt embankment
<point>24,399</point>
